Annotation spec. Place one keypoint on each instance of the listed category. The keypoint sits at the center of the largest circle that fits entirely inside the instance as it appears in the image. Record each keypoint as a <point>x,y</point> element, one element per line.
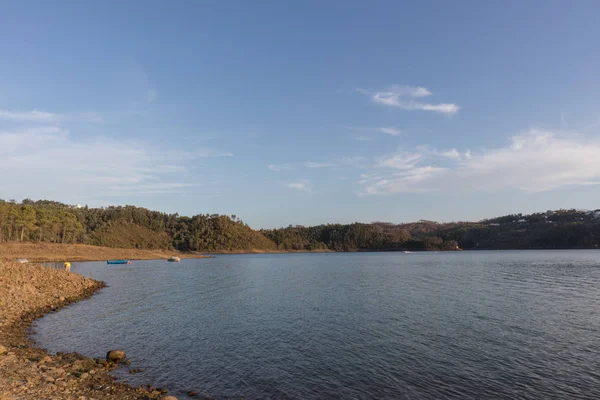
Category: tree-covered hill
<point>561,229</point>
<point>353,237</point>
<point>126,227</point>
<point>136,227</point>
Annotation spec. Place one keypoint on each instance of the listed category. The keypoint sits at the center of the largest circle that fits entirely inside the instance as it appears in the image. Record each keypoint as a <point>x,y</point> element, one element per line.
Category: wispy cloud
<point>387,130</point>
<point>47,162</point>
<point>302,185</point>
<point>390,131</point>
<point>33,115</point>
<point>532,162</point>
<point>337,162</point>
<point>280,167</point>
<point>47,117</point>
<point>312,164</point>
<point>401,96</point>
<point>400,160</point>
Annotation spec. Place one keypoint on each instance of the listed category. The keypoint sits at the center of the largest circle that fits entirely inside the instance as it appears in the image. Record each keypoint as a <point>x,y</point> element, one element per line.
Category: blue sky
<point>303,112</point>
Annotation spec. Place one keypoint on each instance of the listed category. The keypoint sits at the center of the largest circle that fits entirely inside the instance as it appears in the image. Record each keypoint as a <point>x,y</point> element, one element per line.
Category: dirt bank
<point>80,252</point>
<point>29,373</point>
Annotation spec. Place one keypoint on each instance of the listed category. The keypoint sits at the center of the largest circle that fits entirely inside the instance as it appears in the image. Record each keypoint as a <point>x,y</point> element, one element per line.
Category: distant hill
<point>124,234</point>
<point>560,229</point>
<point>140,228</point>
<point>126,227</point>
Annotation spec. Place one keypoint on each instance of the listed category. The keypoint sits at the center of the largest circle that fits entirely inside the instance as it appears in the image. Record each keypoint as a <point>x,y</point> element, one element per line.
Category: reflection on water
<point>53,265</point>
<point>464,325</point>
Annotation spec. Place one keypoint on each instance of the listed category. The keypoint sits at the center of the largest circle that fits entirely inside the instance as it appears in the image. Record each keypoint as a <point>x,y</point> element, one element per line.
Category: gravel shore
<point>27,372</point>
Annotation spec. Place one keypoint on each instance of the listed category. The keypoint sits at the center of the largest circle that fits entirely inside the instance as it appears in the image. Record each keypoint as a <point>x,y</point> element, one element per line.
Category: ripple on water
<point>465,325</point>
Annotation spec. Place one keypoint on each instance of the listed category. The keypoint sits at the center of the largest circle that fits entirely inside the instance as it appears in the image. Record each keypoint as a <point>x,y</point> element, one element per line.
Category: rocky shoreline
<point>27,372</point>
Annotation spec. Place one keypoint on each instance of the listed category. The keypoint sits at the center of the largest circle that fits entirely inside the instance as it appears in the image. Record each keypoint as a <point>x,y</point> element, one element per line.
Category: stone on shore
<point>116,355</point>
<point>3,350</point>
<point>169,398</point>
<point>45,360</point>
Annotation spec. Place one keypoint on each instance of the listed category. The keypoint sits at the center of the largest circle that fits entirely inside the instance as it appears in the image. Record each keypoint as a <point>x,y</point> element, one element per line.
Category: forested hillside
<point>353,237</point>
<point>561,229</point>
<point>136,227</point>
<point>127,227</point>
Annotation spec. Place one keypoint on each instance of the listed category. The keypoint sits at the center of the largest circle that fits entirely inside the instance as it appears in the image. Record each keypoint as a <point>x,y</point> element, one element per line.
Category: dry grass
<point>37,252</point>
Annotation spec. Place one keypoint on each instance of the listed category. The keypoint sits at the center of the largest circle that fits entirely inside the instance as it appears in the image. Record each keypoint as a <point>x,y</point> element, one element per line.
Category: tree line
<point>137,227</point>
<point>127,227</point>
<point>354,237</point>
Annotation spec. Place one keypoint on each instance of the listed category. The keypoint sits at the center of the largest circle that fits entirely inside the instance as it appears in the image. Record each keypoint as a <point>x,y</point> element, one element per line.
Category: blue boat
<point>118,262</point>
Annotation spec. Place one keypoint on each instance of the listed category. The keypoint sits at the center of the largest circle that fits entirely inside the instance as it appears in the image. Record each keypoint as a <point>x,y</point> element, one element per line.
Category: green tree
<point>26,220</point>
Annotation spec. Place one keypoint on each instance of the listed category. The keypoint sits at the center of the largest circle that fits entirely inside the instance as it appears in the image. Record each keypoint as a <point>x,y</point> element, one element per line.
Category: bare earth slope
<point>10,251</point>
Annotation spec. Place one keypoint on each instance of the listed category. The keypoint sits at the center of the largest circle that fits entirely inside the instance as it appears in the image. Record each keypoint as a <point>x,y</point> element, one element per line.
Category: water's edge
<point>34,350</point>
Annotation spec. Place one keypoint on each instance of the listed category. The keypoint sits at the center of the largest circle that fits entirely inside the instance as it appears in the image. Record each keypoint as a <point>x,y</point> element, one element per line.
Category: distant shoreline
<point>56,252</point>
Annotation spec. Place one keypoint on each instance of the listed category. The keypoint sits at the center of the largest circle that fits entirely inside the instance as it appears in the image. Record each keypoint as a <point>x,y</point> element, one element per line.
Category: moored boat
<point>174,259</point>
<point>118,262</point>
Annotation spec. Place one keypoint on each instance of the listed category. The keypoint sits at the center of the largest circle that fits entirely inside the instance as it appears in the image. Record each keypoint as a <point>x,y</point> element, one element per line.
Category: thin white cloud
<point>452,153</point>
<point>390,131</point>
<point>401,96</point>
<point>47,117</point>
<point>210,153</point>
<point>33,115</point>
<point>48,162</point>
<point>338,163</point>
<point>312,164</point>
<point>410,91</point>
<point>302,185</point>
<point>401,160</point>
<point>279,167</point>
<point>532,162</point>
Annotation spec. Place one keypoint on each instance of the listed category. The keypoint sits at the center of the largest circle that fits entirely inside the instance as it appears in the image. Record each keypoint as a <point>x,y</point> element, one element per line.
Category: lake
<point>460,325</point>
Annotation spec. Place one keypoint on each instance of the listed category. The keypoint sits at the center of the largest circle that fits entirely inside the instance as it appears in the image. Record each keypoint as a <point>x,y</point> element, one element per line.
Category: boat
<point>22,260</point>
<point>174,259</point>
<point>118,262</point>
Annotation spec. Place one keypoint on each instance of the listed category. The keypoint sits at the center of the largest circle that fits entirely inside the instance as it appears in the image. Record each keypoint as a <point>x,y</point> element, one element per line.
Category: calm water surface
<point>464,325</point>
